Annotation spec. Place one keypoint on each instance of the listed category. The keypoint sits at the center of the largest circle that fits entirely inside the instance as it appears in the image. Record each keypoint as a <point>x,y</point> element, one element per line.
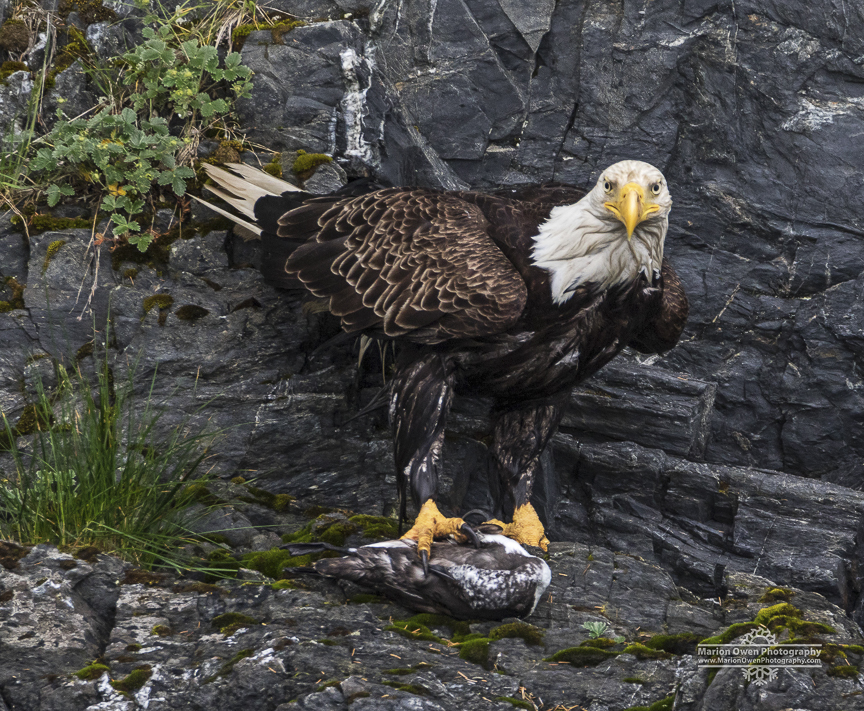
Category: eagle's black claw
<point>471,533</point>
<point>424,560</point>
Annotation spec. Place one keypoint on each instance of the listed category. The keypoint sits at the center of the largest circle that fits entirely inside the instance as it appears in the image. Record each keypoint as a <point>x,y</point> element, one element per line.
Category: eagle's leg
<point>420,398</point>
<point>519,438</point>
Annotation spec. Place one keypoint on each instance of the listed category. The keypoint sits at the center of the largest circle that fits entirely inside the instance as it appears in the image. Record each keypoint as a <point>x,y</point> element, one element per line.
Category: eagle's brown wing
<point>412,263</point>
<point>665,322</point>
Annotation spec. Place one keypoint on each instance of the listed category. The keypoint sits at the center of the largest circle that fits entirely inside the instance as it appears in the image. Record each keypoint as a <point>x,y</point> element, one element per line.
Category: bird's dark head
<point>632,192</point>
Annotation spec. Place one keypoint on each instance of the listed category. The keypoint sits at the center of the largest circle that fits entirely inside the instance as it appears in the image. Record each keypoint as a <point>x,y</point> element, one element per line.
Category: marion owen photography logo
<point>759,655</point>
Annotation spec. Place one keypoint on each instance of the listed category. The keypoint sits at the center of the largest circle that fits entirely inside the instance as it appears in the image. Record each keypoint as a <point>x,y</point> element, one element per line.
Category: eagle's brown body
<point>451,277</point>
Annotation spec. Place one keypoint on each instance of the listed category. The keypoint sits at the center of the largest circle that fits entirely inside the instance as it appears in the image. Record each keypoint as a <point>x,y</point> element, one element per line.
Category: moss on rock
<point>529,633</point>
<point>306,163</point>
<point>51,252</point>
<point>134,680</point>
<point>581,656</point>
<point>14,36</point>
<point>229,622</point>
<point>91,672</point>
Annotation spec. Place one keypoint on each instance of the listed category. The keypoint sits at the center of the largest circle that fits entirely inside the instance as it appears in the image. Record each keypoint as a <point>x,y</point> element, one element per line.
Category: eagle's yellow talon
<point>431,524</point>
<point>526,527</point>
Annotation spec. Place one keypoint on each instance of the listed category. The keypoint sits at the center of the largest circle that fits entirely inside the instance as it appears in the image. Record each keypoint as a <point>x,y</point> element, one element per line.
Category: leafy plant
<point>99,474</point>
<point>595,629</point>
<point>145,138</point>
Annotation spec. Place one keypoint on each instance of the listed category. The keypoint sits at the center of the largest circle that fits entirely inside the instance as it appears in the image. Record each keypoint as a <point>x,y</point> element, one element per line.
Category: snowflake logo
<point>760,633</point>
<point>760,674</point>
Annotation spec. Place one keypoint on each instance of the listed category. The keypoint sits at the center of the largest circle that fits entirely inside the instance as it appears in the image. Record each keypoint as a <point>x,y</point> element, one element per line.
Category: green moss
<point>277,502</point>
<point>684,643</point>
<point>640,651</point>
<point>7,69</point>
<point>844,671</point>
<point>599,642</point>
<point>14,36</point>
<point>89,10</point>
<point>284,585</point>
<point>784,609</point>
<point>634,680</point>
<point>155,257</point>
<point>228,667</point>
<point>529,633</point>
<point>407,688</point>
<point>785,617</point>
<point>239,35</point>
<point>378,527</point>
<point>730,633</point>
<point>419,627</point>
<point>475,651</point>
<point>274,167</point>
<point>328,684</point>
<point>282,28</point>
<point>662,705</point>
<point>398,671</point>
<point>328,642</point>
<point>238,480</point>
<point>306,163</point>
<point>229,622</point>
<point>191,312</point>
<point>134,680</point>
<point>49,223</point>
<point>581,656</point>
<point>91,672</point>
<point>84,351</point>
<point>51,252</point>
<point>777,594</point>
<point>134,647</point>
<point>162,631</point>
<point>518,703</point>
<point>131,273</point>
<point>161,301</point>
<point>271,562</point>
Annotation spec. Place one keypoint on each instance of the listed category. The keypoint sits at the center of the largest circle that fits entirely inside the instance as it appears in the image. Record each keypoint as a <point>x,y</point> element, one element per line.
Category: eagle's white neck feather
<point>578,247</point>
<point>584,243</point>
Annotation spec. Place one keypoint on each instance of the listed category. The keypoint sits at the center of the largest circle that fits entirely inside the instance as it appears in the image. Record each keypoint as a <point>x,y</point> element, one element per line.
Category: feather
<point>265,181</point>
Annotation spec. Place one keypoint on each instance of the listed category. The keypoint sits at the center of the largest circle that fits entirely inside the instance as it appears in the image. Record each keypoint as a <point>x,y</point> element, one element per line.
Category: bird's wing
<point>665,322</point>
<point>412,263</point>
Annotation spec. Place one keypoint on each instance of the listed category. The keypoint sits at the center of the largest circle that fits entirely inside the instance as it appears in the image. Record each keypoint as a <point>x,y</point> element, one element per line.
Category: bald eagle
<point>517,295</point>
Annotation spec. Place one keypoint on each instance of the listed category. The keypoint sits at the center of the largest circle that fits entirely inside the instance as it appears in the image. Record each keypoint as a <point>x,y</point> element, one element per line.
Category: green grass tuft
<point>108,482</point>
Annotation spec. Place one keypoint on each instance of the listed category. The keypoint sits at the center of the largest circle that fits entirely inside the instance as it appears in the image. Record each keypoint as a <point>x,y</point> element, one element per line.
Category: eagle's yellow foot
<point>526,527</point>
<point>431,524</point>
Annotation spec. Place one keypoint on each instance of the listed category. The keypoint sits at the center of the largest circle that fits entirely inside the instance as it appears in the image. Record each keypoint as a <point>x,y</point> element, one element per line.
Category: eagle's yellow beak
<point>630,207</point>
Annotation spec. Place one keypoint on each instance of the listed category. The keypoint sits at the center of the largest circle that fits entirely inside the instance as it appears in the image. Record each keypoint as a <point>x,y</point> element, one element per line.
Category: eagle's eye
<point>607,186</point>
<point>655,188</point>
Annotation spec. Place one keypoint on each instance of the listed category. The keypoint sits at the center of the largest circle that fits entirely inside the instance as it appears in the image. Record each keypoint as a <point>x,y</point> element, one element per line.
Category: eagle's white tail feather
<point>230,215</point>
<point>235,190</point>
<point>274,185</point>
<point>244,205</point>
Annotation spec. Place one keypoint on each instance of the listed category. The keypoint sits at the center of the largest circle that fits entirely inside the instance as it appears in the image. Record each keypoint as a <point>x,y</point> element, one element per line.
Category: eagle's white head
<point>611,235</point>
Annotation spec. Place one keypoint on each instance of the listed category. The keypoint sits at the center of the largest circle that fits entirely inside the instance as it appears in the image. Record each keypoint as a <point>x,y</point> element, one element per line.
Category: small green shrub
<point>135,144</point>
